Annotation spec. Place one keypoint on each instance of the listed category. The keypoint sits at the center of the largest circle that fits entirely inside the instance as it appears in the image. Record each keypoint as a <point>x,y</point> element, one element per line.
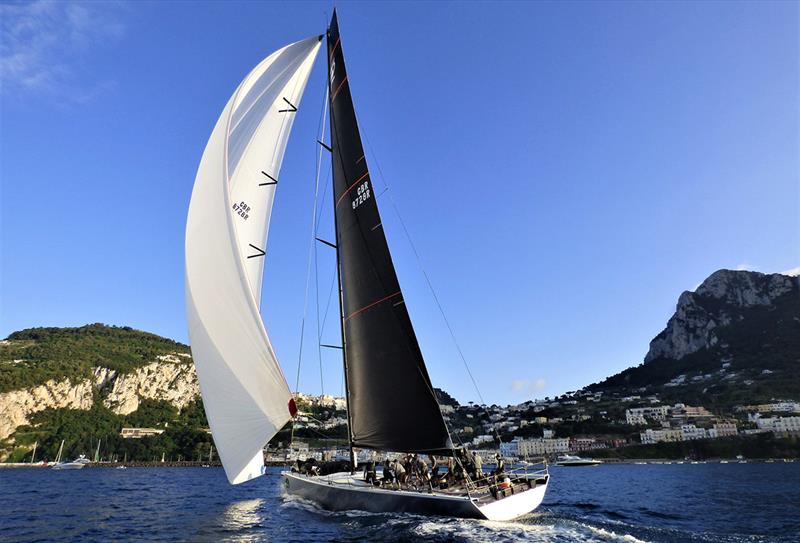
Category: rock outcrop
<point>171,378</point>
<point>717,302</point>
<point>16,406</point>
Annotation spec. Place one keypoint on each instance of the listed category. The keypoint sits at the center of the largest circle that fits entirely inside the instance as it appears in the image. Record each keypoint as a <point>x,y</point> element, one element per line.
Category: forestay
<point>246,397</point>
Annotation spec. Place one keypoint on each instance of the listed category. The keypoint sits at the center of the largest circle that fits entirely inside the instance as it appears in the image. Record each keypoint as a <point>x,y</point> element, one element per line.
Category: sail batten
<point>391,402</point>
<point>245,394</point>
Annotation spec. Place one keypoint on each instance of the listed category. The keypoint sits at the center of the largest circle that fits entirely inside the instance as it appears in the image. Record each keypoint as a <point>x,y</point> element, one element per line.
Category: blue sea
<point>630,503</point>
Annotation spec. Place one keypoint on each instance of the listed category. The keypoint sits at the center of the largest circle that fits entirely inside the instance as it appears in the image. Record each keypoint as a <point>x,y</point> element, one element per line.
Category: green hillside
<point>31,357</point>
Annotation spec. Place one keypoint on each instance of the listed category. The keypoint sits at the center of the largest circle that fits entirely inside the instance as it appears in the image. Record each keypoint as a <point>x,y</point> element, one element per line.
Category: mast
<point>60,450</point>
<point>341,300</point>
<point>344,353</point>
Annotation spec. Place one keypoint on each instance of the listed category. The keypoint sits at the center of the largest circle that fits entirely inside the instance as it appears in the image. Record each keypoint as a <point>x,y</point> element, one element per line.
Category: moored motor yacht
<point>568,460</point>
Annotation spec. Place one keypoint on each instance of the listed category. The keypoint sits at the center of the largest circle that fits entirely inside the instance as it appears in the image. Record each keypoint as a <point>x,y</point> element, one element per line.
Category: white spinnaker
<point>245,393</point>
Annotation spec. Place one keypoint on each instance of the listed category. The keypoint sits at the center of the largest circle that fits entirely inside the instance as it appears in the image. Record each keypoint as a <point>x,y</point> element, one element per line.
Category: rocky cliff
<point>734,339</point>
<point>718,302</point>
<point>77,368</point>
<point>170,377</point>
<point>16,406</point>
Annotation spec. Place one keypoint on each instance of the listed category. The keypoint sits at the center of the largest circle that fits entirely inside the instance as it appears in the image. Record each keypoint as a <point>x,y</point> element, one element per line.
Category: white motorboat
<point>571,461</point>
<point>78,463</point>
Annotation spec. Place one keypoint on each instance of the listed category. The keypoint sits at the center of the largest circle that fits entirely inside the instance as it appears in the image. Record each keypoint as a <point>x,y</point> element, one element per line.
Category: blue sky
<point>565,170</point>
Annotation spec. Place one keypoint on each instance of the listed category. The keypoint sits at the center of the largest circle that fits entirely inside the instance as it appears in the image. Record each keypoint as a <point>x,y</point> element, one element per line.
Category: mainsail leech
<point>391,402</point>
<point>245,394</point>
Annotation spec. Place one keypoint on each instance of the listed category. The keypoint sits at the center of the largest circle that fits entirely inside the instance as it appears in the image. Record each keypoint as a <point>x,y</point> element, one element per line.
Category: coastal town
<point>586,422</point>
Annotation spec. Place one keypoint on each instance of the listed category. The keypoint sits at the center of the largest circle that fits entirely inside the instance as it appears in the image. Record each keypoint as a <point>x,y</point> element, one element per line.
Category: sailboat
<point>391,404</point>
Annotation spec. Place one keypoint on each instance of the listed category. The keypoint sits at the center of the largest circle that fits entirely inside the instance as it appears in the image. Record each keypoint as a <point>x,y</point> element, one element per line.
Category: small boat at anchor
<point>78,463</point>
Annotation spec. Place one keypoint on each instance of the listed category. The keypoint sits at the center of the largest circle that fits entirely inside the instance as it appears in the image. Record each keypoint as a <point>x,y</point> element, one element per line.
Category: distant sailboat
<point>391,405</point>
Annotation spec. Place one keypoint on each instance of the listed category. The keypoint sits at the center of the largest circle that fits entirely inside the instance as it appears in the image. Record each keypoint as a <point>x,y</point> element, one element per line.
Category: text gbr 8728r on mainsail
<point>390,399</point>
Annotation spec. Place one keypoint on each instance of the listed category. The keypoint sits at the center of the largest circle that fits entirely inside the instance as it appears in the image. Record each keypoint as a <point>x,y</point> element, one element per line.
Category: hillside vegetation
<point>184,433</point>
<point>33,356</point>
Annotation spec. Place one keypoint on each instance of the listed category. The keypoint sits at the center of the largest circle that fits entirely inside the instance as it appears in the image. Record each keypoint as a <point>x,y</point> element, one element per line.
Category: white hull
<point>341,492</point>
<point>572,461</point>
<point>69,465</point>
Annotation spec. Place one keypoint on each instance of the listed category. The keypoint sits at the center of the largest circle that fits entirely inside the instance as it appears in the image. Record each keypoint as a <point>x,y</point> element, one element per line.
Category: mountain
<point>120,374</point>
<point>736,338</point>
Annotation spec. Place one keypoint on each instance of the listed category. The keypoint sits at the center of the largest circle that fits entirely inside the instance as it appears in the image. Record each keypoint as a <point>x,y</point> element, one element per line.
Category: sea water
<point>733,502</point>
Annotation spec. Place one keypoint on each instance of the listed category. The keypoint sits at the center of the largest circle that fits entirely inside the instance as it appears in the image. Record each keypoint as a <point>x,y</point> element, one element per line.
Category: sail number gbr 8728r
<point>363,193</point>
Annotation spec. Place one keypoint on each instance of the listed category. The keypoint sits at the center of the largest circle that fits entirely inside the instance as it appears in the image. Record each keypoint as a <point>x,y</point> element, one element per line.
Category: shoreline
<point>216,464</point>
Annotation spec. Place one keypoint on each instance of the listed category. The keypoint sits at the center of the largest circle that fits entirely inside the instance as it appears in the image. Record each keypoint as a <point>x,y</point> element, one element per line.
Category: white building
<point>779,425</point>
<point>510,449</point>
<point>639,415</point>
<point>690,432</point>
<point>539,447</point>
<point>724,429</point>
<point>687,411</point>
<point>777,407</point>
<point>137,433</point>
<point>326,400</point>
<point>584,444</point>
<point>785,407</point>
<point>650,436</point>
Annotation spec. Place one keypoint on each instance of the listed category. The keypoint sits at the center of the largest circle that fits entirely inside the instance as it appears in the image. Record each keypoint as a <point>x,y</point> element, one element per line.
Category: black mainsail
<point>391,402</point>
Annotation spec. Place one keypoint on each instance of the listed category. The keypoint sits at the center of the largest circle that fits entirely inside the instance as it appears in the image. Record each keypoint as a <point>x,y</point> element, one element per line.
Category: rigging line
<point>324,195</point>
<point>327,306</point>
<point>315,228</point>
<point>319,333</point>
<point>312,243</point>
<point>422,268</point>
<point>311,246</point>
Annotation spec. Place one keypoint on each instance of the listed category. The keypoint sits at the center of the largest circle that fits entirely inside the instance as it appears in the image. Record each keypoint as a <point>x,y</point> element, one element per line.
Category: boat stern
<point>516,505</point>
